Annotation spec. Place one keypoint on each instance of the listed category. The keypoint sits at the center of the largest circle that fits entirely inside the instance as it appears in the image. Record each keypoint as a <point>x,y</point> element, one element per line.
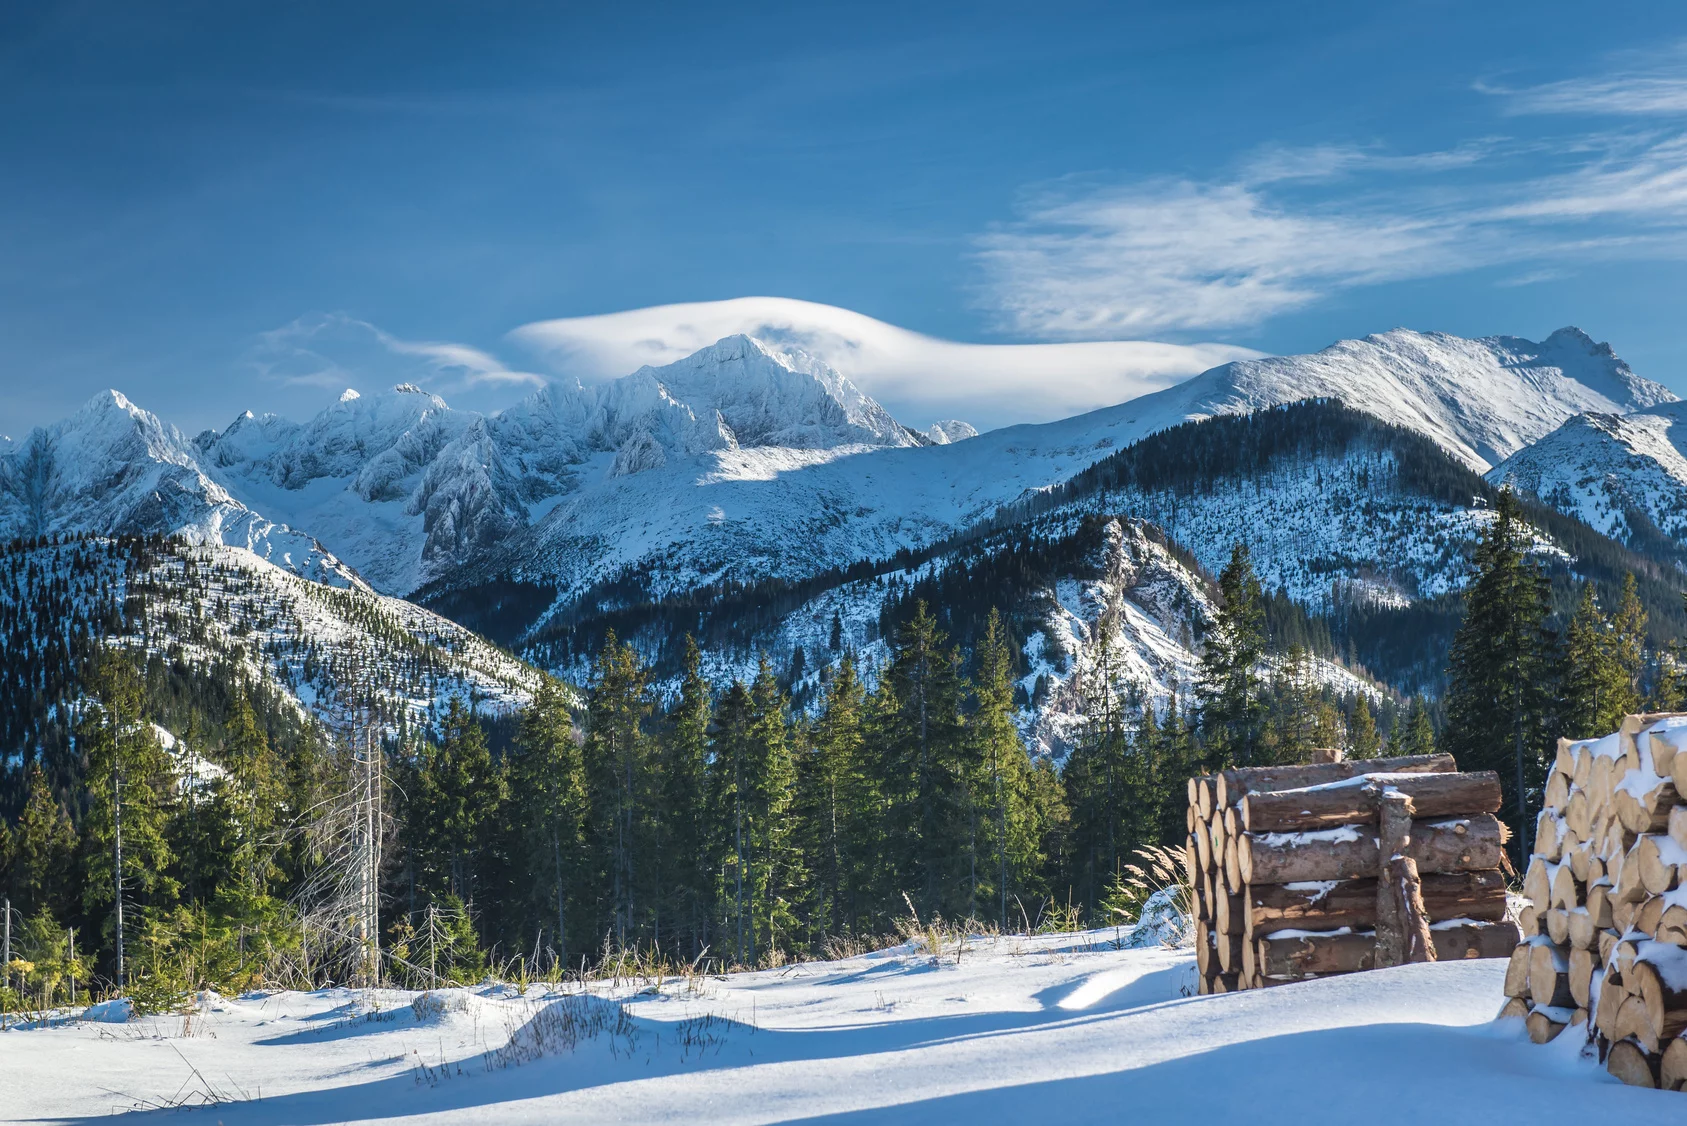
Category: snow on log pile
<point>1605,930</point>
<point>1331,867</point>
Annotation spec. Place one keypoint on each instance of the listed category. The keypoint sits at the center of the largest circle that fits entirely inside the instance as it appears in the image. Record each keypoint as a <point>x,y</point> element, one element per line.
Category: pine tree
<point>1103,779</point>
<point>1499,673</point>
<point>548,793</point>
<point>831,802</point>
<point>1413,732</point>
<point>39,861</point>
<point>1364,730</point>
<point>924,766</point>
<point>1628,629</point>
<point>685,876</point>
<point>126,856</point>
<point>1232,705</point>
<point>618,758</point>
<point>1012,836</point>
<point>1594,691</point>
<point>453,806</point>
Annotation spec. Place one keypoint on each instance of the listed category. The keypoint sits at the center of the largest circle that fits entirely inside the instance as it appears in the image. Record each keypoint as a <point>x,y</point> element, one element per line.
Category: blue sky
<point>187,191</point>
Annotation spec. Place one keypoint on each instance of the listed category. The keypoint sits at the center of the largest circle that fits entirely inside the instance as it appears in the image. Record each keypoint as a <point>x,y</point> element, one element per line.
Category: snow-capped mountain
<point>114,468</point>
<point>1625,475</point>
<point>1481,400</point>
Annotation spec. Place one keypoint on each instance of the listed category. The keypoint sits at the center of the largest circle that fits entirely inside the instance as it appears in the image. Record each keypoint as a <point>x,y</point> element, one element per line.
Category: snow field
<point>1059,1027</point>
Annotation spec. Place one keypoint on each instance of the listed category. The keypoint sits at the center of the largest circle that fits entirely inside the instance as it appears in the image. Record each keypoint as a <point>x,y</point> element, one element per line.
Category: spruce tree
<point>1232,706</point>
<point>39,861</point>
<point>548,794</point>
<point>1500,670</point>
<point>1594,692</point>
<point>1363,730</point>
<point>1628,629</point>
<point>620,783</point>
<point>833,803</point>
<point>1012,835</point>
<point>685,876</point>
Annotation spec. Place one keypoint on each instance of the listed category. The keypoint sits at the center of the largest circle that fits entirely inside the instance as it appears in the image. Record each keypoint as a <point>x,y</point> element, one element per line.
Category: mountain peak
<point>349,395</point>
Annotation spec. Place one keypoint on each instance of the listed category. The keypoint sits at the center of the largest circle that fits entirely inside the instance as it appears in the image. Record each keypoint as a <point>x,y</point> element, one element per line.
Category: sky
<point>218,207</point>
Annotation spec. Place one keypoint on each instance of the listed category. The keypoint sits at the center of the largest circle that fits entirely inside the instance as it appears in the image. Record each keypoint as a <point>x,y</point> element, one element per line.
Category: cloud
<point>334,351</point>
<point>917,377</point>
<point>1082,260</point>
<point>1652,84</point>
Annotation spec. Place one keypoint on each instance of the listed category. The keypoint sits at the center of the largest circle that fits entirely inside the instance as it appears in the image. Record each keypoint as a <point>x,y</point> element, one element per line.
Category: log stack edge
<point>1604,946</point>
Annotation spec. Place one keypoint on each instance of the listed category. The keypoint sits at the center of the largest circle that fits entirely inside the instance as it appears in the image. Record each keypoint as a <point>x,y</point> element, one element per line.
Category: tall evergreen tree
<point>1594,691</point>
<point>1013,838</point>
<point>38,864</point>
<point>1232,705</point>
<point>548,792</point>
<point>1628,629</point>
<point>620,782</point>
<point>684,870</point>
<point>1363,730</point>
<point>834,803</point>
<point>1500,669</point>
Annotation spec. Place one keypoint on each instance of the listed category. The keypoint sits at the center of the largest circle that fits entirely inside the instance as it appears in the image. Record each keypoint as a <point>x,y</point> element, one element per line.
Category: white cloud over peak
<point>917,377</point>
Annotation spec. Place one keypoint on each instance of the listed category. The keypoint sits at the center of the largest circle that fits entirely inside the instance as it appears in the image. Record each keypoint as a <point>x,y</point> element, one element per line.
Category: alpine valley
<point>752,496</point>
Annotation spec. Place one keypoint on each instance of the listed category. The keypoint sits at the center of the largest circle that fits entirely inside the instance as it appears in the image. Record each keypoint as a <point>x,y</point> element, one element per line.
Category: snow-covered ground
<point>1051,1028</point>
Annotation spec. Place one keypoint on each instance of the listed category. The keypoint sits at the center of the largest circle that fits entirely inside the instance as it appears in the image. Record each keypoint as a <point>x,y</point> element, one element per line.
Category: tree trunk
<point>1447,845</point>
<point>1475,940</point>
<point>1330,904</point>
<point>1233,785</point>
<point>1356,801</point>
<point>1631,1065</point>
<point>1300,955</point>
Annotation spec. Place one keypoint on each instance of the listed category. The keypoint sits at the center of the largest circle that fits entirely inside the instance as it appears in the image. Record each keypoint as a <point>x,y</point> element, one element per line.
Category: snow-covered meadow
<point>1063,1028</point>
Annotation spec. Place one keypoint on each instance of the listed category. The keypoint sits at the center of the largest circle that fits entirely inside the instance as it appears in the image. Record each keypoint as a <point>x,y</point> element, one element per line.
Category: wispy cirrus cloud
<point>1289,227</point>
<point>334,351</point>
<point>1649,84</point>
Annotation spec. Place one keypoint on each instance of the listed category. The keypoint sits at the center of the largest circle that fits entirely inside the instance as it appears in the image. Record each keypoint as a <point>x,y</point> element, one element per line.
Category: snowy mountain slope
<point>1625,475</point>
<point>116,469</point>
<point>1481,400</point>
<point>748,514</point>
<point>219,609</point>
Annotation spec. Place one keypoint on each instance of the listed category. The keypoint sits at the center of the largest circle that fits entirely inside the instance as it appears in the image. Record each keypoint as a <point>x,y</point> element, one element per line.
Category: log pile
<point>1331,867</point>
<point>1604,947</point>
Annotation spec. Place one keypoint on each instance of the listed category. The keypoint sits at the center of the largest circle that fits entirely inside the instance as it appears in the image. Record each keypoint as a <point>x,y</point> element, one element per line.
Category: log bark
<point>1394,837</point>
<point>1448,845</point>
<point>1232,914</point>
<point>1355,800</point>
<point>1319,954</point>
<point>1236,784</point>
<point>1330,904</point>
<point>1229,952</point>
<point>1206,952</point>
<point>1628,1063</point>
<point>1475,940</point>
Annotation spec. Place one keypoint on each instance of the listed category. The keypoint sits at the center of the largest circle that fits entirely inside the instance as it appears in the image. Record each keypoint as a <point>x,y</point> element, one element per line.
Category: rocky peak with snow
<point>950,430</point>
<point>1481,400</point>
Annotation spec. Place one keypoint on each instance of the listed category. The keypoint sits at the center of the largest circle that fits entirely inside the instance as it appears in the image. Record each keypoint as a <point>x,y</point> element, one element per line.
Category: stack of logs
<point>1604,950</point>
<point>1331,867</point>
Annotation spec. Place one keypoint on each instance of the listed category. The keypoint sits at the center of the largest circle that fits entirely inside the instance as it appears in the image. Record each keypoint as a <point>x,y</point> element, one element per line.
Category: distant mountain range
<point>746,464</point>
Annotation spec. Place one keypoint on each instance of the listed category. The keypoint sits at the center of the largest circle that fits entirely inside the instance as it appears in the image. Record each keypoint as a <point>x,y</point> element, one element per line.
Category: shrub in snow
<point>1161,921</point>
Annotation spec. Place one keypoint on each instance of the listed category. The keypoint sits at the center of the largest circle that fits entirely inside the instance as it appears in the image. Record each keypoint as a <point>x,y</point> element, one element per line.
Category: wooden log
<point>1599,902</point>
<point>1530,920</point>
<point>1678,774</point>
<point>1672,1069</point>
<point>1394,942</point>
<point>1514,1007</point>
<point>1203,848</point>
<point>1226,983</point>
<point>1678,824</point>
<point>1204,798</point>
<point>1608,940</point>
<point>1644,808</point>
<point>1580,856</point>
<point>1549,977</point>
<point>1537,882</point>
<point>1583,934</point>
<point>1578,814</point>
<point>1517,972</point>
<point>1630,887</point>
<point>1558,926</point>
<point>1206,950</point>
<point>1542,1028</point>
<point>1666,1005</point>
<point>1650,915</point>
<point>1659,857</point>
<point>1611,997</point>
<point>1236,784</point>
<point>1233,881</point>
<point>1355,800</point>
<point>1567,891</point>
<point>1455,942</point>
<point>1232,914</point>
<point>1672,925</point>
<point>1622,915</point>
<point>1229,952</point>
<point>1628,1063</point>
<point>1583,770</point>
<point>1330,904</point>
<point>1301,954</point>
<point>1447,845</point>
<point>1582,971</point>
<point>1549,835</point>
